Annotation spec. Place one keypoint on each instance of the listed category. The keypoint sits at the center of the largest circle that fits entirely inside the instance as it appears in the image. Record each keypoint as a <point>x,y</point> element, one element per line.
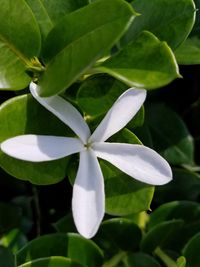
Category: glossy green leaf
<point>51,262</point>
<point>73,246</point>
<point>6,257</point>
<point>145,63</point>
<point>19,42</point>
<point>189,51</point>
<point>118,234</point>
<point>10,216</point>
<point>170,135</point>
<point>138,260</point>
<point>191,251</point>
<point>169,20</point>
<point>165,231</point>
<point>49,12</point>
<point>23,115</point>
<point>185,185</point>
<point>187,210</point>
<point>70,50</point>
<point>124,195</point>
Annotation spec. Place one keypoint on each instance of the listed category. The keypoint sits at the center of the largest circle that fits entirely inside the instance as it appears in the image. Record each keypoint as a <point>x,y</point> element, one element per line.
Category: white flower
<point>138,161</point>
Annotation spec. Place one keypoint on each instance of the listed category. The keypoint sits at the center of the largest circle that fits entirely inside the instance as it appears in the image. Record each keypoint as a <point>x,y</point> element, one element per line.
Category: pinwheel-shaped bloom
<point>138,161</point>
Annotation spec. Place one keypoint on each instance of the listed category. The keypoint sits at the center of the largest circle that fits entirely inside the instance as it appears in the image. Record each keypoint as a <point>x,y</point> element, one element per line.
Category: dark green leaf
<point>118,234</point>
<point>10,216</point>
<point>51,262</point>
<point>165,231</point>
<point>23,115</point>
<point>146,63</point>
<point>6,257</point>
<point>169,20</point>
<point>70,50</point>
<point>138,260</point>
<point>170,135</point>
<point>19,42</point>
<point>191,251</point>
<point>124,195</point>
<point>73,246</point>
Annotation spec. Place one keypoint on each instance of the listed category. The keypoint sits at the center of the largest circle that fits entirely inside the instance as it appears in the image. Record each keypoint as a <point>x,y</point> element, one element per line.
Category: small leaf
<point>173,25</point>
<point>6,257</point>
<point>124,195</point>
<point>181,262</point>
<point>165,231</point>
<point>73,246</point>
<point>139,259</point>
<point>70,50</point>
<point>51,262</point>
<point>19,42</point>
<point>191,251</point>
<point>170,135</point>
<point>118,234</point>
<point>145,63</point>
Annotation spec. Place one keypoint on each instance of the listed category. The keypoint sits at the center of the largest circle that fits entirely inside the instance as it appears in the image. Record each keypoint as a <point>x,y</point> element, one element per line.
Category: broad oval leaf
<point>19,42</point>
<point>51,262</point>
<point>6,257</point>
<point>191,251</point>
<point>173,25</point>
<point>23,115</point>
<point>145,63</point>
<point>124,195</point>
<point>73,246</point>
<point>165,231</point>
<point>171,139</point>
<point>70,50</point>
<point>49,12</point>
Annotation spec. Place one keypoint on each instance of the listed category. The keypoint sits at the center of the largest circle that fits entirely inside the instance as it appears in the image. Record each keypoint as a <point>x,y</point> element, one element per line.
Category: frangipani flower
<point>138,161</point>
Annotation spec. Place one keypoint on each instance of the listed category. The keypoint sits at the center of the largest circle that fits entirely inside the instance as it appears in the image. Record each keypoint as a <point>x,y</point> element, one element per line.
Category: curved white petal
<point>64,111</point>
<point>140,162</point>
<point>123,110</point>
<point>38,148</point>
<point>88,201</point>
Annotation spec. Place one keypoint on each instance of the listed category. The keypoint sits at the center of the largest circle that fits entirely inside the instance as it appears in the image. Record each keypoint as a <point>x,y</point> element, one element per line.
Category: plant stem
<point>115,260</point>
<point>165,258</point>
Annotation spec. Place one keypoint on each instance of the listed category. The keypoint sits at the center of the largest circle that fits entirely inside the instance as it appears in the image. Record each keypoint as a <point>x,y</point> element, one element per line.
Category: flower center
<point>87,145</point>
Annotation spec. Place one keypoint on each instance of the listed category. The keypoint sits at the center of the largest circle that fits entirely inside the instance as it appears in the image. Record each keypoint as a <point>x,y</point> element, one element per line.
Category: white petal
<point>64,111</point>
<point>88,195</point>
<point>123,110</point>
<point>140,162</point>
<point>38,148</point>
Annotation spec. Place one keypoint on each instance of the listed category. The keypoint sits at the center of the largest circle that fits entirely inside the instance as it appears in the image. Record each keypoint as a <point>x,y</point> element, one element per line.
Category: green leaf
<point>191,251</point>
<point>51,262</point>
<point>19,42</point>
<point>139,259</point>
<point>23,115</point>
<point>10,216</point>
<point>118,234</point>
<point>170,135</point>
<point>73,246</point>
<point>165,231</point>
<point>145,63</point>
<point>49,12</point>
<point>186,210</point>
<point>124,195</point>
<point>14,239</point>
<point>169,20</point>
<point>65,224</point>
<point>70,50</point>
<point>189,51</point>
<point>185,185</point>
<point>6,257</point>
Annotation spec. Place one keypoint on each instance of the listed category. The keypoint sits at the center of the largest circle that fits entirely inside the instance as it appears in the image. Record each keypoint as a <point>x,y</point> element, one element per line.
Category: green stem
<point>115,260</point>
<point>165,258</point>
